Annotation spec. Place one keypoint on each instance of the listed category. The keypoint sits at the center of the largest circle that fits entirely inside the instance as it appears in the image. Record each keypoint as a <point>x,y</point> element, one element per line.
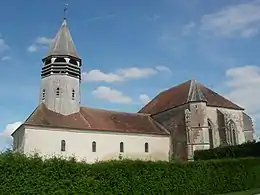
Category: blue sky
<point>132,50</point>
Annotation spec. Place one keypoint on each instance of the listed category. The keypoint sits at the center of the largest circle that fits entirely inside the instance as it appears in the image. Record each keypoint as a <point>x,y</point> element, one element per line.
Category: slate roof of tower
<point>96,120</point>
<point>63,43</point>
<point>189,91</point>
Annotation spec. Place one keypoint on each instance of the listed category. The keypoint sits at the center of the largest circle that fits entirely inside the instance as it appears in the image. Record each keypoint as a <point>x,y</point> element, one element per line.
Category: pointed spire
<point>63,43</point>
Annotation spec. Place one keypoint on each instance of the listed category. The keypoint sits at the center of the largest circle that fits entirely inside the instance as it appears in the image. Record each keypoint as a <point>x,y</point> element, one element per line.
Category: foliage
<point>248,149</point>
<point>32,175</point>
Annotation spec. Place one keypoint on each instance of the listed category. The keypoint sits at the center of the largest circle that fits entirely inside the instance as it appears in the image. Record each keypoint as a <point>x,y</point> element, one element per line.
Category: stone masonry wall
<point>173,120</point>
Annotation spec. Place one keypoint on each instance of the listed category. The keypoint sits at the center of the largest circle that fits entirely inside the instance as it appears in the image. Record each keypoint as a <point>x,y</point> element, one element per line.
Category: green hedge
<point>249,149</point>
<point>21,175</point>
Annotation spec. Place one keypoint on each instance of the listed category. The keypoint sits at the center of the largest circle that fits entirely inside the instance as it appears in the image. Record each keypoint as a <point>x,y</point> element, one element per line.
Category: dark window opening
<point>94,146</point>
<point>72,61</point>
<point>121,147</point>
<point>73,94</point>
<point>48,62</point>
<point>60,60</point>
<point>58,92</point>
<point>43,94</point>
<point>146,147</point>
<point>63,145</point>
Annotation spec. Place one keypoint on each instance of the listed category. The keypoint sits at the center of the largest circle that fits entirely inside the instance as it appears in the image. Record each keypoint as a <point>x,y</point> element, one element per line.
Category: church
<point>171,126</point>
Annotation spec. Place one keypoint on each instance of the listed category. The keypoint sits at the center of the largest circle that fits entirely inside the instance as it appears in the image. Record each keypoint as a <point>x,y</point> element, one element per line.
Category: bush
<point>249,149</point>
<point>21,175</point>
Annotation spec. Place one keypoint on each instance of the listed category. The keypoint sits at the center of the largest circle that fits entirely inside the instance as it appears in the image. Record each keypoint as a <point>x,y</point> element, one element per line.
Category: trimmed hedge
<point>249,149</point>
<point>22,175</point>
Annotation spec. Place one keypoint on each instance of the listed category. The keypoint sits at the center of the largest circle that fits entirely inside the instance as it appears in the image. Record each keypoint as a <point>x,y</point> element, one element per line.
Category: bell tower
<point>61,74</point>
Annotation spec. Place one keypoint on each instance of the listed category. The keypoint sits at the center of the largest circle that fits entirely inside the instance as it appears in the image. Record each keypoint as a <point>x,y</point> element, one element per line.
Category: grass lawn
<point>247,192</point>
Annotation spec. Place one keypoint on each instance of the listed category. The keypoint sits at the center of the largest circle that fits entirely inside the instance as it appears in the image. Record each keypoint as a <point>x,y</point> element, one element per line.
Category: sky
<point>131,51</point>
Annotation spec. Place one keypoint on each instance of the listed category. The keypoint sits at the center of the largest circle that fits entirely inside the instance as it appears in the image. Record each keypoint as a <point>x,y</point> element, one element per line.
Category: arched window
<point>231,133</point>
<point>94,146</point>
<point>72,61</point>
<point>210,127</point>
<point>63,145</point>
<point>146,147</point>
<point>121,147</point>
<point>73,94</point>
<point>43,94</point>
<point>60,60</point>
<point>57,92</point>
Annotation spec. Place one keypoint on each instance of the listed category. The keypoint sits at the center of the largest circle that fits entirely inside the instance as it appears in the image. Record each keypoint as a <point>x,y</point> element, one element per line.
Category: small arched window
<point>60,60</point>
<point>94,146</point>
<point>73,94</point>
<point>43,94</point>
<point>121,147</point>
<point>63,145</point>
<point>146,147</point>
<point>57,92</point>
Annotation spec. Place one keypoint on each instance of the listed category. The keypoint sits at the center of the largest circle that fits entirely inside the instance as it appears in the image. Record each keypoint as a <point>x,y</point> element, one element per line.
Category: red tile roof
<point>96,119</point>
<point>179,95</point>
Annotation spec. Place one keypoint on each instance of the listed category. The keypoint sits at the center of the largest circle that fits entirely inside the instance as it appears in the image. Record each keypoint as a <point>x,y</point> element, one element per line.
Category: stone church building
<point>173,125</point>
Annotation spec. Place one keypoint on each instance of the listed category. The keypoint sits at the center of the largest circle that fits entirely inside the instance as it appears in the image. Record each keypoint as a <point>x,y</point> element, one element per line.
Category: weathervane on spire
<point>65,10</point>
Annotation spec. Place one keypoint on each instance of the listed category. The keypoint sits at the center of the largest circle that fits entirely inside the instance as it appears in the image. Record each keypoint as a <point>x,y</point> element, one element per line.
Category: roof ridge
<point>115,111</point>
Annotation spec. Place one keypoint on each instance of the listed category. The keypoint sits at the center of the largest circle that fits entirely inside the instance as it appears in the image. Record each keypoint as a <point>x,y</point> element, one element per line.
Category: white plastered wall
<point>47,142</point>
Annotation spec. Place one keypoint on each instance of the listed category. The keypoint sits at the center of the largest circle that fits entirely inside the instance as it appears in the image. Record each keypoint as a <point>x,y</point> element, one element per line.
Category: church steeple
<point>63,43</point>
<point>61,74</point>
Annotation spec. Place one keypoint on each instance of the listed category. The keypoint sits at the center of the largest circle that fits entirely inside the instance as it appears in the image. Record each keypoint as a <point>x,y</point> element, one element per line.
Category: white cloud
<point>10,128</point>
<point>43,41</point>
<point>136,73</point>
<point>188,28</point>
<point>163,69</point>
<point>153,18</point>
<point>32,48</point>
<point>111,95</point>
<point>122,74</point>
<point>6,58</point>
<point>241,20</point>
<point>144,98</point>
<point>244,83</point>
<point>39,43</point>
<point>97,75</point>
<point>3,45</point>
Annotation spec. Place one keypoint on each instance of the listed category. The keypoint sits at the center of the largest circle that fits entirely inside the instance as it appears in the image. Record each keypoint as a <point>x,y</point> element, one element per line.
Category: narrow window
<point>94,146</point>
<point>146,147</point>
<point>63,145</point>
<point>73,94</point>
<point>121,147</point>
<point>58,92</point>
<point>43,94</point>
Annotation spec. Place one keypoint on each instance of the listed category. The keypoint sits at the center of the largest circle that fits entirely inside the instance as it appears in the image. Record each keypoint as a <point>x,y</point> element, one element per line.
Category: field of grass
<point>247,192</point>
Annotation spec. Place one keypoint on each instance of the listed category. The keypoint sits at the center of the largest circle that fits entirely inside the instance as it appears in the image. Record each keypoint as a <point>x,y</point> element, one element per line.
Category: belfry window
<point>74,62</point>
<point>121,147</point>
<point>57,92</point>
<point>63,145</point>
<point>43,94</point>
<point>60,60</point>
<point>48,62</point>
<point>73,94</point>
